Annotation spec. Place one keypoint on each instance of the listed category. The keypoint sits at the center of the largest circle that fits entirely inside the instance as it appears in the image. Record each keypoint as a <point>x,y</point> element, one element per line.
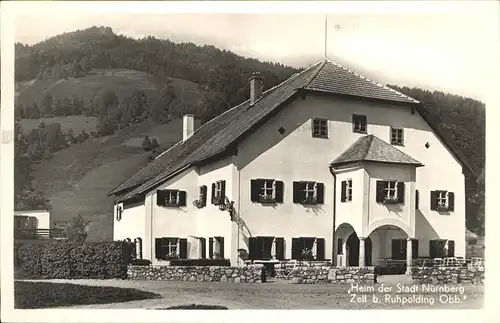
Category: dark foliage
<point>195,307</point>
<point>77,230</point>
<point>200,262</point>
<point>32,295</point>
<point>67,260</point>
<point>140,262</point>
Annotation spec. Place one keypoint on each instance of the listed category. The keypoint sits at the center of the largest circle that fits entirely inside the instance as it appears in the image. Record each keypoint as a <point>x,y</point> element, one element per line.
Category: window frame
<point>322,130</point>
<point>396,142</point>
<point>218,189</point>
<point>264,189</point>
<point>170,249</point>
<point>442,200</point>
<point>388,189</point>
<point>358,122</point>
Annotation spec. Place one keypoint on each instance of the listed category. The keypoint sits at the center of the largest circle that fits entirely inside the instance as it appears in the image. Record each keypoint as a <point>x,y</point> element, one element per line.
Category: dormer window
<point>390,192</point>
<point>442,201</point>
<point>359,123</point>
<point>308,193</point>
<point>171,198</point>
<point>397,136</point>
<point>320,128</point>
<point>266,191</point>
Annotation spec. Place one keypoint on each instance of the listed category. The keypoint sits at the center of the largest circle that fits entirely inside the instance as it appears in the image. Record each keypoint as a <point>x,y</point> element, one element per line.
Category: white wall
<point>132,223</point>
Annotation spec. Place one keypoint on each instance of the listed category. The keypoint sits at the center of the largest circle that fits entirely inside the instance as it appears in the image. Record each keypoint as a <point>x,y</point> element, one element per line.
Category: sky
<point>447,50</point>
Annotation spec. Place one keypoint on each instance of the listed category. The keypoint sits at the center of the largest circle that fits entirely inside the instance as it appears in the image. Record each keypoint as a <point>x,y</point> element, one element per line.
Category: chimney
<point>256,87</point>
<point>187,126</point>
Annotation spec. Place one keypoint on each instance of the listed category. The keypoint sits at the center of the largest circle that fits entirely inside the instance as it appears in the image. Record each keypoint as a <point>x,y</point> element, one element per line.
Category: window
<point>202,197</point>
<point>170,248</point>
<point>437,248</point>
<point>442,201</point>
<point>171,198</point>
<point>346,192</point>
<point>320,128</point>
<point>218,192</point>
<point>390,192</point>
<point>266,191</point>
<point>216,247</point>
<point>308,248</point>
<point>308,193</point>
<point>261,248</point>
<point>397,136</point>
<point>359,123</point>
<point>119,212</point>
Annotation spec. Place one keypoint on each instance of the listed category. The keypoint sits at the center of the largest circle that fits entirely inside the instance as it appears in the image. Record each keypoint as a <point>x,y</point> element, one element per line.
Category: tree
<point>47,105</point>
<point>77,230</point>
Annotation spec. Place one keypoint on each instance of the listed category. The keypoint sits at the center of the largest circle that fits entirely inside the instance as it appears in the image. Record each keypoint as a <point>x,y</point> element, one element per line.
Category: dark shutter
<point>434,200</point>
<point>297,198</point>
<point>401,192</point>
<point>380,191</point>
<point>296,249</point>
<point>414,248</point>
<point>183,248</point>
<point>158,251</point>
<point>451,201</point>
<point>340,249</point>
<point>433,248</point>
<point>182,198</point>
<point>211,248</point>
<point>223,192</point>
<point>320,249</point>
<point>279,192</point>
<point>203,246</point>
<point>451,248</point>
<point>343,191</point>
<point>255,190</point>
<point>160,197</point>
<point>280,248</point>
<point>203,191</point>
<point>213,193</point>
<point>221,247</point>
<point>253,248</point>
<point>320,193</point>
<point>417,199</point>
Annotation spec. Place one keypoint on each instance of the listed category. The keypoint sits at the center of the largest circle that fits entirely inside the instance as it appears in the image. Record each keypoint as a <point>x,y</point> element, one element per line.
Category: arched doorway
<point>353,251</point>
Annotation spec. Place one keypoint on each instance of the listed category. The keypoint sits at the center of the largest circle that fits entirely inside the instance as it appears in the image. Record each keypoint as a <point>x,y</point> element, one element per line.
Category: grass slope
<point>32,295</point>
<point>77,179</point>
<point>77,123</point>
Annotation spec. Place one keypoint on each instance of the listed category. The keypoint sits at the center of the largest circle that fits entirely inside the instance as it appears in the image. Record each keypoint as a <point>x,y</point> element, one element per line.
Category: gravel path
<point>277,295</point>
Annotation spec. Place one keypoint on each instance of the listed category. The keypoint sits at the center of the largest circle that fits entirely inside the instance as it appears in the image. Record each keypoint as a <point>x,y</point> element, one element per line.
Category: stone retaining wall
<point>196,273</point>
<point>336,275</point>
<point>447,275</point>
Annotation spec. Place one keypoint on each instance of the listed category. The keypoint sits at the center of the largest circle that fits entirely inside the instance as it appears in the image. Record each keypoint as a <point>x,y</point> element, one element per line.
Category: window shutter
<point>320,249</point>
<point>297,192</point>
<point>433,248</point>
<point>253,248</point>
<point>204,192</point>
<point>401,192</point>
<point>279,192</point>
<point>158,251</point>
<point>417,199</point>
<point>451,201</point>
<point>296,249</point>
<point>320,193</point>
<point>203,246</point>
<point>182,198</point>
<point>211,248</point>
<point>414,248</point>
<point>213,193</point>
<point>280,248</point>
<point>183,248</point>
<point>221,247</point>
<point>451,248</point>
<point>223,192</point>
<point>380,192</point>
<point>160,197</point>
<point>343,191</point>
<point>255,190</point>
<point>433,200</point>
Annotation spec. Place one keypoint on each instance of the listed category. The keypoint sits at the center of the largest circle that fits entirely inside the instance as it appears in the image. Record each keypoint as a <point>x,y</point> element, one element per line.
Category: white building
<point>327,161</point>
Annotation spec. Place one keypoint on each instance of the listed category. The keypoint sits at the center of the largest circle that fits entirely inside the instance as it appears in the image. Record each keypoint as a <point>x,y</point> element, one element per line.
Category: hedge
<point>200,262</point>
<point>67,260</point>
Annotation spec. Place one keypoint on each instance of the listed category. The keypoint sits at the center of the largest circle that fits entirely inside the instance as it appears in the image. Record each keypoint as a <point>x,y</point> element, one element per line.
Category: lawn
<point>32,295</point>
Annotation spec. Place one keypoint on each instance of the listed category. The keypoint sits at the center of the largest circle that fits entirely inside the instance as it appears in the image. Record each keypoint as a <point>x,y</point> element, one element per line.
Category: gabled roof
<point>217,136</point>
<point>373,149</point>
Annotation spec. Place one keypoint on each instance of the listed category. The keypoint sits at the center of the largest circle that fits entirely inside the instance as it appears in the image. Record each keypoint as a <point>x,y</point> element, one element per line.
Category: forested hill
<point>75,53</point>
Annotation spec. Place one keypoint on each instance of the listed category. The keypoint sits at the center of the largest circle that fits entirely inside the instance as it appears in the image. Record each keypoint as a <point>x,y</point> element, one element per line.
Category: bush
<point>67,260</point>
<point>140,262</point>
<point>200,262</point>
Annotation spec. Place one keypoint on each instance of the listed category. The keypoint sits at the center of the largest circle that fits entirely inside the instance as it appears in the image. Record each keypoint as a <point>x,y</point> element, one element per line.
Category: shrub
<point>200,262</point>
<point>140,262</point>
<point>67,260</point>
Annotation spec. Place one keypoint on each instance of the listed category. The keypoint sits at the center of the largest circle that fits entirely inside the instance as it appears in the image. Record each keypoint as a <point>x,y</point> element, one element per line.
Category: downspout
<point>334,253</point>
<point>151,238</point>
<point>238,215</point>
